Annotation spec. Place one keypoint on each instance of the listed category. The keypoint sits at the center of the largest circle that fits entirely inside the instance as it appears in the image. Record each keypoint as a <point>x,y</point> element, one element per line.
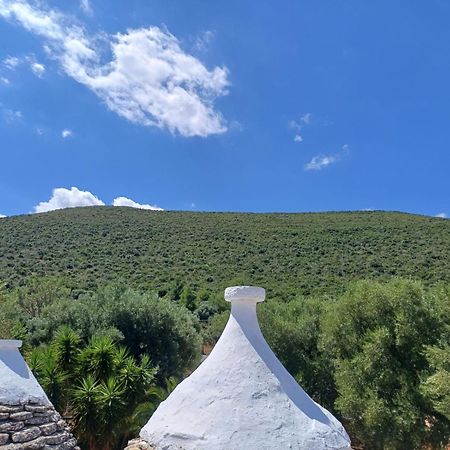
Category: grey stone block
<point>26,435</point>
<point>11,426</point>
<point>48,428</point>
<point>4,437</point>
<point>22,415</point>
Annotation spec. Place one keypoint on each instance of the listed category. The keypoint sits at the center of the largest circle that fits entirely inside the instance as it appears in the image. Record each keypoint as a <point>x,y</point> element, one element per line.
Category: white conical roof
<point>241,397</point>
<point>17,383</point>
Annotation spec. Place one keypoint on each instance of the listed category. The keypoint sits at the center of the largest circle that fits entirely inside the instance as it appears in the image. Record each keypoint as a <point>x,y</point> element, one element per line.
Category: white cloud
<point>68,198</point>
<point>306,118</point>
<point>40,131</point>
<point>294,125</point>
<point>320,161</point>
<point>2,216</point>
<point>441,215</point>
<point>11,62</point>
<point>66,133</point>
<point>11,115</point>
<point>298,125</point>
<point>4,80</point>
<point>123,201</point>
<point>203,41</point>
<point>38,69</point>
<point>150,79</point>
<point>86,7</point>
<point>298,138</point>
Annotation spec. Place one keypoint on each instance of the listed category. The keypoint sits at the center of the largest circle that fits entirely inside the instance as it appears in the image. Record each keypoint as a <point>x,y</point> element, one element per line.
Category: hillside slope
<point>314,252</point>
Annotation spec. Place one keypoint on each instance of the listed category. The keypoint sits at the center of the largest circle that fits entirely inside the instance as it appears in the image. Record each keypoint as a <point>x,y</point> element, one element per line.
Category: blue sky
<point>225,106</point>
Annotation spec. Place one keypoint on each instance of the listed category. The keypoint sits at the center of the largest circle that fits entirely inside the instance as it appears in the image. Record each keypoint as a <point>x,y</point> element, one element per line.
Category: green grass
<point>302,253</point>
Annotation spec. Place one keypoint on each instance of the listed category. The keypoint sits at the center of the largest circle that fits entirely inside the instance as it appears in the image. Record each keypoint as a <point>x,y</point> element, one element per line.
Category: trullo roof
<point>242,398</point>
<point>17,383</point>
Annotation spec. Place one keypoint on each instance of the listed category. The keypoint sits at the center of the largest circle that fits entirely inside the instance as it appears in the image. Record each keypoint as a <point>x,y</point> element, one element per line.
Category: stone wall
<point>32,426</point>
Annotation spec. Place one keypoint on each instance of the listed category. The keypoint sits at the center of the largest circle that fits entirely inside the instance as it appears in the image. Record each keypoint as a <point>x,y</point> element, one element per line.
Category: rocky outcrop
<point>33,426</point>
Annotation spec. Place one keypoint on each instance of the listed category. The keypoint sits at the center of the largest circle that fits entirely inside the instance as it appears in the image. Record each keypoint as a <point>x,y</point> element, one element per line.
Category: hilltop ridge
<point>294,252</point>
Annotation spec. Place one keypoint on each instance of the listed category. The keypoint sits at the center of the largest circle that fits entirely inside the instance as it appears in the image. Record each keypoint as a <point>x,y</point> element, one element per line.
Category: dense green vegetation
<point>376,355</point>
<point>289,254</point>
<point>100,383</point>
<point>358,310</point>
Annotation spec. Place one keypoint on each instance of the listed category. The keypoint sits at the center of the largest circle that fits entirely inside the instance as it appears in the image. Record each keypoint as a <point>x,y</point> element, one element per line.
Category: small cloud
<point>124,201</point>
<point>39,131</point>
<point>11,116</point>
<point>38,69</point>
<point>298,125</point>
<point>11,62</point>
<point>204,40</point>
<point>320,161</point>
<point>298,138</point>
<point>193,205</point>
<point>441,215</point>
<point>294,125</point>
<point>4,80</point>
<point>86,7</point>
<point>66,133</point>
<point>368,209</point>
<point>2,216</point>
<point>68,198</point>
<point>306,118</point>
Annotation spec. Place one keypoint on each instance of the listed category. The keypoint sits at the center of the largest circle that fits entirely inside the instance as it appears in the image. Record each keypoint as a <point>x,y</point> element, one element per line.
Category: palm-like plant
<point>109,383</point>
<point>153,397</point>
<point>98,358</point>
<point>50,375</point>
<point>84,400</point>
<point>66,345</point>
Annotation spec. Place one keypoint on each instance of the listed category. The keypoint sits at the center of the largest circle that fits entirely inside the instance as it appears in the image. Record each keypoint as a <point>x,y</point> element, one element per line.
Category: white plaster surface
<point>241,397</point>
<point>17,383</point>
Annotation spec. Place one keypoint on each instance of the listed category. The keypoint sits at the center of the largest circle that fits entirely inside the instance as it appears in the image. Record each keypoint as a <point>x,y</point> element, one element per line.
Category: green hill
<point>306,252</point>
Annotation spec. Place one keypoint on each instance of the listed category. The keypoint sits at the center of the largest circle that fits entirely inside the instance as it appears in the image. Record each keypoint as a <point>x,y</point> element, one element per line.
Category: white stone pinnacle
<point>242,398</point>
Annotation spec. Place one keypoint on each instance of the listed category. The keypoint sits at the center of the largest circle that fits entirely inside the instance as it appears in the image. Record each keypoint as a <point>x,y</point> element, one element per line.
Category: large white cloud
<point>2,216</point>
<point>150,80</point>
<point>68,198</point>
<point>124,201</point>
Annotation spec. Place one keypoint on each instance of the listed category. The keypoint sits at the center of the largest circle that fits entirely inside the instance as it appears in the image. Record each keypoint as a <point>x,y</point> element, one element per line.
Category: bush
<point>376,334</point>
<point>142,322</point>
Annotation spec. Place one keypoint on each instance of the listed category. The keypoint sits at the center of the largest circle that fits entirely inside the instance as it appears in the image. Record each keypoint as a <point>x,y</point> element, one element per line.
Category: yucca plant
<point>45,365</point>
<point>153,397</point>
<point>108,384</point>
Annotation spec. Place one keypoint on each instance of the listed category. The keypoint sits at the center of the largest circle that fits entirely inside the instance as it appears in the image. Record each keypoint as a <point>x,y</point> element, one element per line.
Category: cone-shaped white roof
<point>241,397</point>
<point>17,383</point>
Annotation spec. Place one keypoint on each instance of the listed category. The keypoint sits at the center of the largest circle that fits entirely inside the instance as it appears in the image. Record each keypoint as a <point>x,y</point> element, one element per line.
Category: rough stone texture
<point>23,415</point>
<point>139,444</point>
<point>26,435</point>
<point>42,429</point>
<point>241,397</point>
